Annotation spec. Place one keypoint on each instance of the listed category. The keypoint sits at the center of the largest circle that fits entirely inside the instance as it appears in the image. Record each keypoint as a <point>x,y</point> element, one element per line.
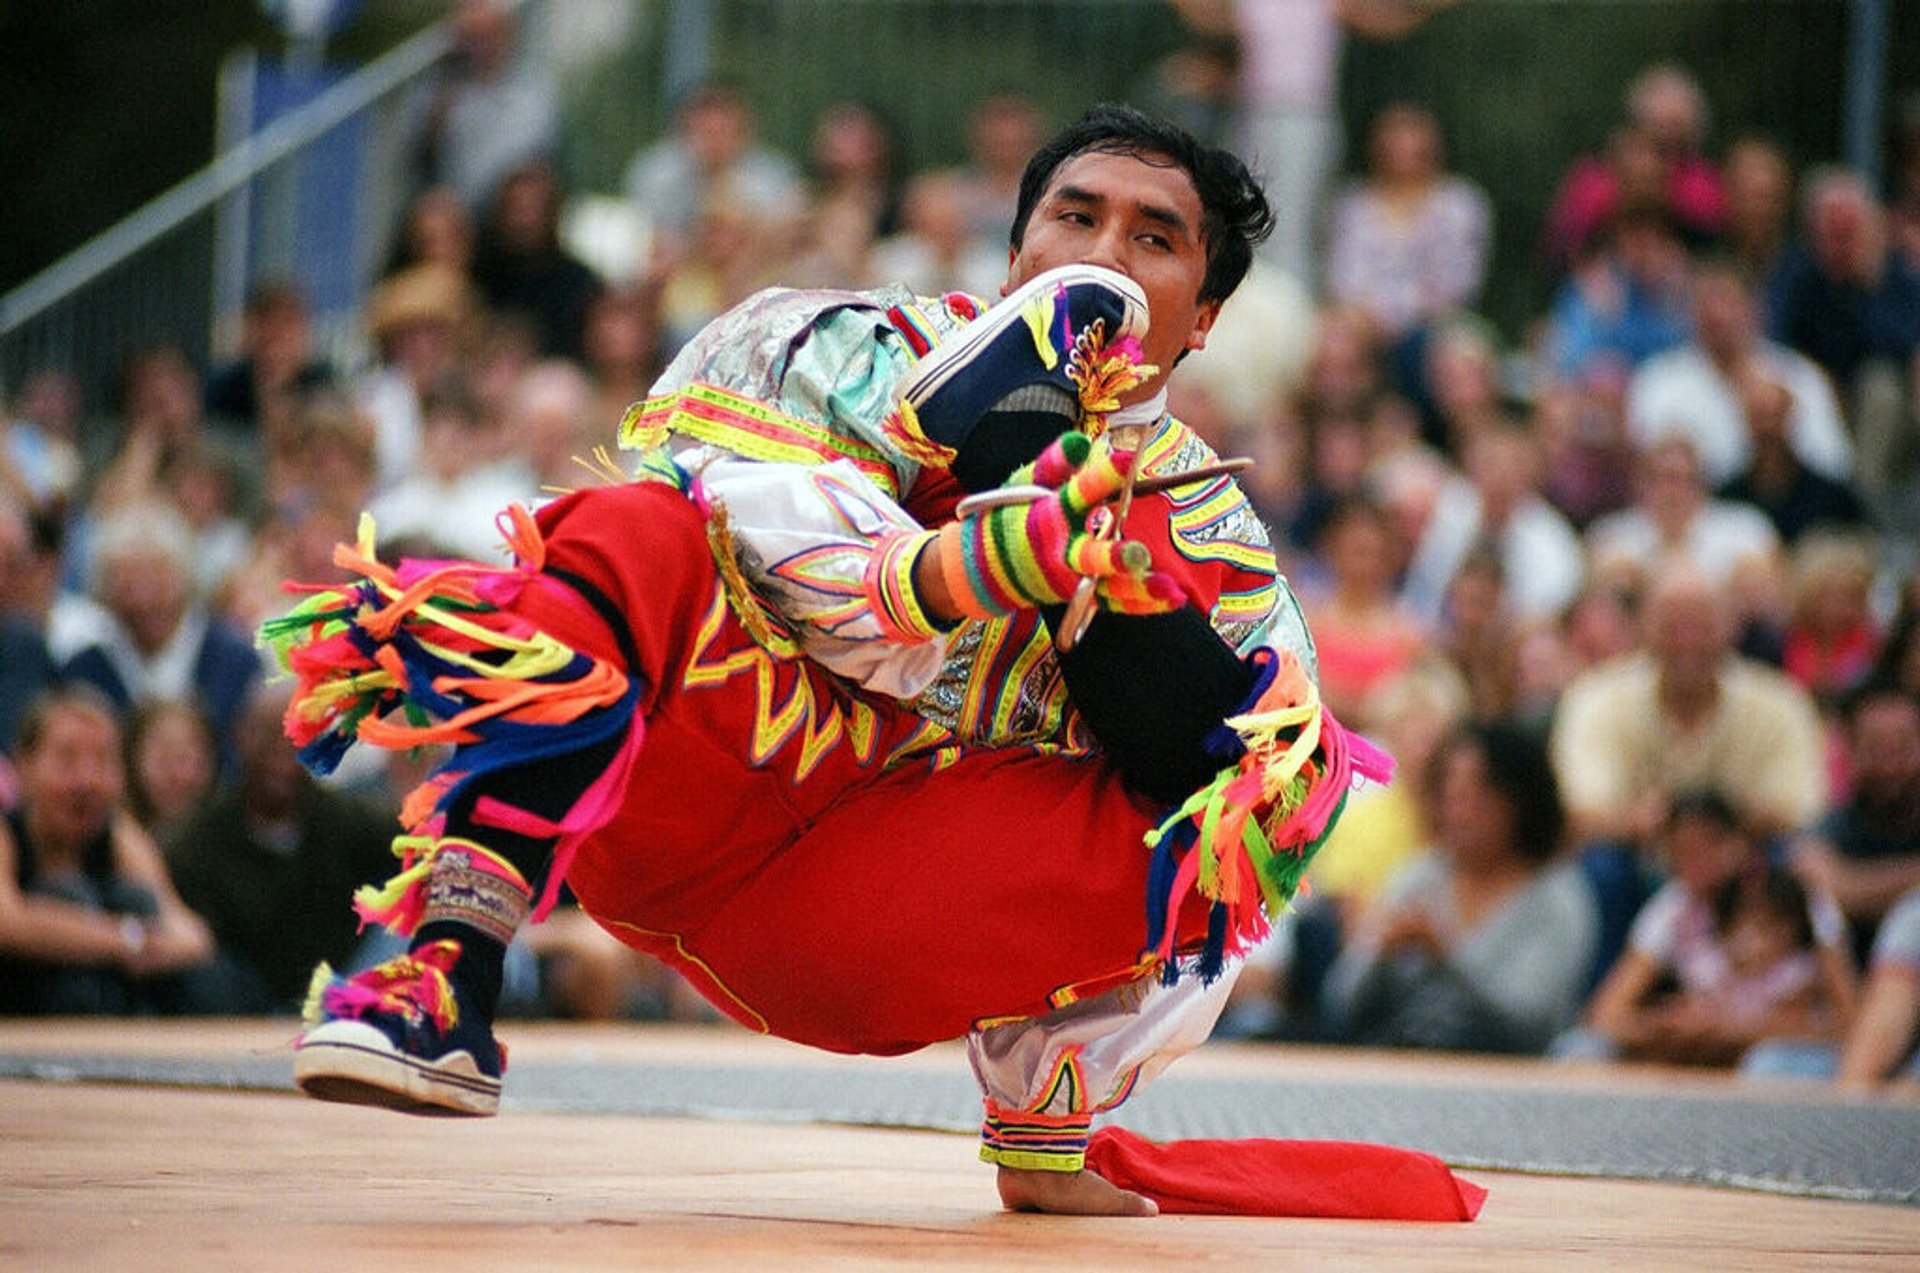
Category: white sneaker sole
<point>945,361</point>
<point>353,1063</point>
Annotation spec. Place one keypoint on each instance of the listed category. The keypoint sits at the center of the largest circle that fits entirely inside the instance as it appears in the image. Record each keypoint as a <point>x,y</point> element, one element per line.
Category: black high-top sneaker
<point>1002,388</point>
<point>403,1035</point>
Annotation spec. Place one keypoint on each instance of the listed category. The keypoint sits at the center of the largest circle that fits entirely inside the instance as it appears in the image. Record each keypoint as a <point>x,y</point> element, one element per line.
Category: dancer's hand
<point>1032,542</point>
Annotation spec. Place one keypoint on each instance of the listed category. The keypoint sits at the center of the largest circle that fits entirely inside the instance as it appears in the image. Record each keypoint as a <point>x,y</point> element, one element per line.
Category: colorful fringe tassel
<point>1244,841</point>
<point>432,653</point>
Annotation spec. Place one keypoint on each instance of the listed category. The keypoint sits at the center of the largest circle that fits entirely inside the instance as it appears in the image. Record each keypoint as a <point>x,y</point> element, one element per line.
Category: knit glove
<point>1032,553</point>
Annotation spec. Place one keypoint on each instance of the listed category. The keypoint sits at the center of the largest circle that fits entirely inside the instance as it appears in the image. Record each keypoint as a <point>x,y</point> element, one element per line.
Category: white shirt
<point>1540,554</point>
<point>1683,392</point>
<point>1721,536</point>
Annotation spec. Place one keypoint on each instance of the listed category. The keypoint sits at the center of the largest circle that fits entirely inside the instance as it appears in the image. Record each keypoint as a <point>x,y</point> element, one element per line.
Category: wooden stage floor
<point>139,1177</point>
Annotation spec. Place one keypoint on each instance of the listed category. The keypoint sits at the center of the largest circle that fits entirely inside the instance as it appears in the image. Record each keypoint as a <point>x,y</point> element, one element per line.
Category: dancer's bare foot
<point>1069,1193</point>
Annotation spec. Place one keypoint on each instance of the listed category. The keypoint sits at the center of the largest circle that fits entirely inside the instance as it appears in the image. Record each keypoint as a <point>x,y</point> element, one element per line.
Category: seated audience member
<point>89,920</point>
<point>1682,713</point>
<point>1586,453</point>
<point>1674,516</point>
<point>1759,180</point>
<point>1751,956</point>
<point>1408,243</point>
<point>1483,943</point>
<point>1885,1029</point>
<point>1685,712</point>
<point>1794,497</point>
<point>269,861</point>
<point>171,765</point>
<point>1831,641</point>
<point>1383,827</point>
<point>1363,633</point>
<point>28,564</point>
<point>1656,154</point>
<point>1497,503</point>
<point>1627,304</point>
<point>259,392</point>
<point>1865,850</point>
<point>150,637</point>
<point>521,266</point>
<point>1694,390</point>
<point>456,494</point>
<point>1847,298</point>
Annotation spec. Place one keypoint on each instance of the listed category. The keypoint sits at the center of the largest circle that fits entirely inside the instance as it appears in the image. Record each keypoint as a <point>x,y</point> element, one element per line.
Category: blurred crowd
<point>1631,597</point>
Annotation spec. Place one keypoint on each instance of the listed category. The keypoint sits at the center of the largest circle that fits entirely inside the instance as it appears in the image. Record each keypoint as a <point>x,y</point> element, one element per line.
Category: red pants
<point>767,851</point>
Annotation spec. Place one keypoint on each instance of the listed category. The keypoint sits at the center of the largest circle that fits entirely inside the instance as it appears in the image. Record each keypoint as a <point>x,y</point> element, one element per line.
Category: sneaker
<point>1020,345</point>
<point>394,1036</point>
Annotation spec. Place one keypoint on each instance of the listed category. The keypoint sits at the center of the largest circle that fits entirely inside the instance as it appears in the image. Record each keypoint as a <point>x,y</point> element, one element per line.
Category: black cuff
<point>1152,687</point>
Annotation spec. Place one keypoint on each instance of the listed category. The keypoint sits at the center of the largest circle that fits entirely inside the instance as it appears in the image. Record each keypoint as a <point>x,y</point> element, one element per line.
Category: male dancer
<point>790,718</point>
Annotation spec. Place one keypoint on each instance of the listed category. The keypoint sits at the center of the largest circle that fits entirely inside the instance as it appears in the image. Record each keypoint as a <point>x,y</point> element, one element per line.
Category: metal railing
<point>173,270</point>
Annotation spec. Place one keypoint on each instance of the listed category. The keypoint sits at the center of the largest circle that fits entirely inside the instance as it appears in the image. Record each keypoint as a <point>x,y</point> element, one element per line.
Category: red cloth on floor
<point>1330,1179</point>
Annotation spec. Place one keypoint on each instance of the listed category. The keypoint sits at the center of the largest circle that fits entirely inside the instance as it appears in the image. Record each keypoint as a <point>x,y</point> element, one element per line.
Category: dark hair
<point>1874,689</point>
<point>1234,211</point>
<point>1702,804</point>
<point>80,696</point>
<point>1519,770</point>
<point>1772,889</point>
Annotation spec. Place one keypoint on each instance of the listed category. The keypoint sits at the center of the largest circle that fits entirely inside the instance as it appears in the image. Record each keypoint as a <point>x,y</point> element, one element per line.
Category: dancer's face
<point>1138,218</point>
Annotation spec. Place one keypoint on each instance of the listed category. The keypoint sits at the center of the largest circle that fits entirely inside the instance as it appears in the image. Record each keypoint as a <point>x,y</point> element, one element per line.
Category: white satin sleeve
<point>803,534</point>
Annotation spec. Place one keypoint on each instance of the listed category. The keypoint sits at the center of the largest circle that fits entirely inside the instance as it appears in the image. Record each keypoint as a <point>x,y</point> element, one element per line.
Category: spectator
<point>1794,497</point>
<point>170,765</point>
<point>1626,304</point>
<point>437,230</point>
<point>856,174</point>
<point>621,348</point>
<point>1759,182</point>
<point>258,393</point>
<point>1003,129</point>
<point>163,415</point>
<point>1831,640</point>
<point>1289,118</point>
<point>1497,503</point>
<point>712,149</point>
<point>420,319</point>
<point>1364,635</point>
<point>40,445</point>
<point>89,921</point>
<point>452,499</point>
<point>1681,714</point>
<point>1849,301</point>
<point>1460,393</point>
<point>1483,943</point>
<point>1656,156</point>
<point>1884,1030</point>
<point>521,267</point>
<point>490,110</point>
<point>1900,655</point>
<point>935,251</point>
<point>1695,389</point>
<point>551,430</point>
<point>1412,714</point>
<point>1865,849</point>
<point>150,638</point>
<point>726,262</point>
<point>1407,245</point>
<point>1586,454</point>
<point>267,861</point>
<point>1753,957</point>
<point>1675,518</point>
<point>28,563</point>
